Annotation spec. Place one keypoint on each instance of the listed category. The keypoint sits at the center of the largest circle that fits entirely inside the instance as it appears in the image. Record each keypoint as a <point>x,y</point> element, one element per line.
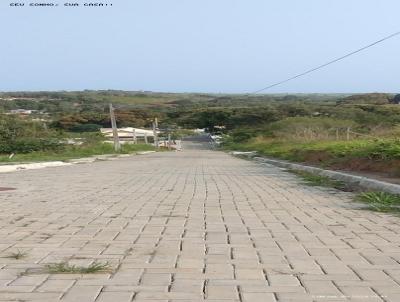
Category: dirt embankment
<point>388,170</point>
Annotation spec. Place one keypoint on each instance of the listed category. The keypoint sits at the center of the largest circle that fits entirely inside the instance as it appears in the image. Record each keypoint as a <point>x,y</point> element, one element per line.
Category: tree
<point>396,99</point>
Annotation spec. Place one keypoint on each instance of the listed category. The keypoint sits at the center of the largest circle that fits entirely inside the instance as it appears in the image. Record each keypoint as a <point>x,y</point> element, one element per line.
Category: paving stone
<point>115,297</point>
<point>55,286</point>
<point>82,293</point>
<point>221,292</point>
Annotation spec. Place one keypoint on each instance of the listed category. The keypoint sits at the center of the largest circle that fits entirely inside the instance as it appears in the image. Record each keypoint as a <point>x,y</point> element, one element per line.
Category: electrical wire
<point>326,64</point>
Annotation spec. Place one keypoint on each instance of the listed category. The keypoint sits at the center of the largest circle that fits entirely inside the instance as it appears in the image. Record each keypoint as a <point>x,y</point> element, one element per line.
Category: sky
<point>219,46</point>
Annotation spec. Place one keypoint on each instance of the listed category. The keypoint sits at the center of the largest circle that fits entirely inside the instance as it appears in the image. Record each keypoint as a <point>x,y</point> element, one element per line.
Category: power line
<point>326,64</point>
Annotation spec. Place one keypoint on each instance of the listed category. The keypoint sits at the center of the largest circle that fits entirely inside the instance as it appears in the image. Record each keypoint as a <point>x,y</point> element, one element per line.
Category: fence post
<point>134,136</point>
<point>348,133</point>
<point>337,134</point>
<point>146,141</point>
<point>155,135</point>
<point>117,145</point>
<point>169,141</point>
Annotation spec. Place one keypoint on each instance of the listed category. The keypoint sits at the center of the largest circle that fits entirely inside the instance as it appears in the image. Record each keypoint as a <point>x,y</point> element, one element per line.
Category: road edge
<point>366,183</point>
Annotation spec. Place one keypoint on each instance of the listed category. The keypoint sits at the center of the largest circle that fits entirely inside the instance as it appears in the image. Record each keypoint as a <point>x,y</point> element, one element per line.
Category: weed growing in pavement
<point>380,201</point>
<point>321,181</point>
<point>65,268</point>
<point>376,201</point>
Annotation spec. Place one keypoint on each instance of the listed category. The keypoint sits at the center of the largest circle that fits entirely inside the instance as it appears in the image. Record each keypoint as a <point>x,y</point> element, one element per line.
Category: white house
<point>127,133</point>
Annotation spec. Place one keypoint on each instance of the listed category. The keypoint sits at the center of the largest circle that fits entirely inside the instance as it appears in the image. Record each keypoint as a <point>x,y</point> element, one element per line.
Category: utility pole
<point>117,145</point>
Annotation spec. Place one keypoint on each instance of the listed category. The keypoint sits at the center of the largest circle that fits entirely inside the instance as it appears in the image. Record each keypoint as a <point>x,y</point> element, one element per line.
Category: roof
<point>127,132</point>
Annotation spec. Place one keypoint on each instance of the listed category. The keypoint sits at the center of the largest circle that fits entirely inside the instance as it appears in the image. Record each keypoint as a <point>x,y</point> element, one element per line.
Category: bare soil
<point>385,170</point>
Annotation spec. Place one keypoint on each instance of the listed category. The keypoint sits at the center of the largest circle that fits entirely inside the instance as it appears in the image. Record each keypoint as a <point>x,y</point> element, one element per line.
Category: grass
<point>17,255</point>
<point>382,149</point>
<point>380,201</point>
<point>65,268</point>
<point>372,156</point>
<point>71,152</point>
<point>321,181</point>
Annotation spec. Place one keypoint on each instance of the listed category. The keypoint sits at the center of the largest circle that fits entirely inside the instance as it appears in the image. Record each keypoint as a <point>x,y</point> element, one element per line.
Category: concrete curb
<point>84,160</point>
<point>366,183</point>
<point>32,166</point>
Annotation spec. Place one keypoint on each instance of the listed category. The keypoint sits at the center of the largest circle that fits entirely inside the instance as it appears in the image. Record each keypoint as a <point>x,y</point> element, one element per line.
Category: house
<point>127,133</point>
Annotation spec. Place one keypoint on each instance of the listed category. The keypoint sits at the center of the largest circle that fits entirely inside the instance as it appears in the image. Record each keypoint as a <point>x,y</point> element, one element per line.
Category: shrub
<point>86,128</point>
<point>26,145</point>
<point>239,135</point>
<point>308,128</point>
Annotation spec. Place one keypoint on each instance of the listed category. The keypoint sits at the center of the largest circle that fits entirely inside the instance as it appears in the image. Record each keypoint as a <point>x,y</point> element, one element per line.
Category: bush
<point>22,135</point>
<point>239,136</point>
<point>308,128</point>
<point>86,128</point>
<point>26,145</point>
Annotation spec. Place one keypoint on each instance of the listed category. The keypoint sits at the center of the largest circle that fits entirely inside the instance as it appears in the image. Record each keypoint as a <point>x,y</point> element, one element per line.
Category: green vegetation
<point>377,155</point>
<point>24,139</point>
<point>380,149</point>
<point>65,268</point>
<point>181,133</point>
<point>19,135</point>
<point>380,201</point>
<point>356,132</point>
<point>320,181</point>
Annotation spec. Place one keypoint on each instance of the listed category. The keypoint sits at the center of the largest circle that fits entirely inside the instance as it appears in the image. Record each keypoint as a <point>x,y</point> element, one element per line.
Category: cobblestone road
<point>190,226</point>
